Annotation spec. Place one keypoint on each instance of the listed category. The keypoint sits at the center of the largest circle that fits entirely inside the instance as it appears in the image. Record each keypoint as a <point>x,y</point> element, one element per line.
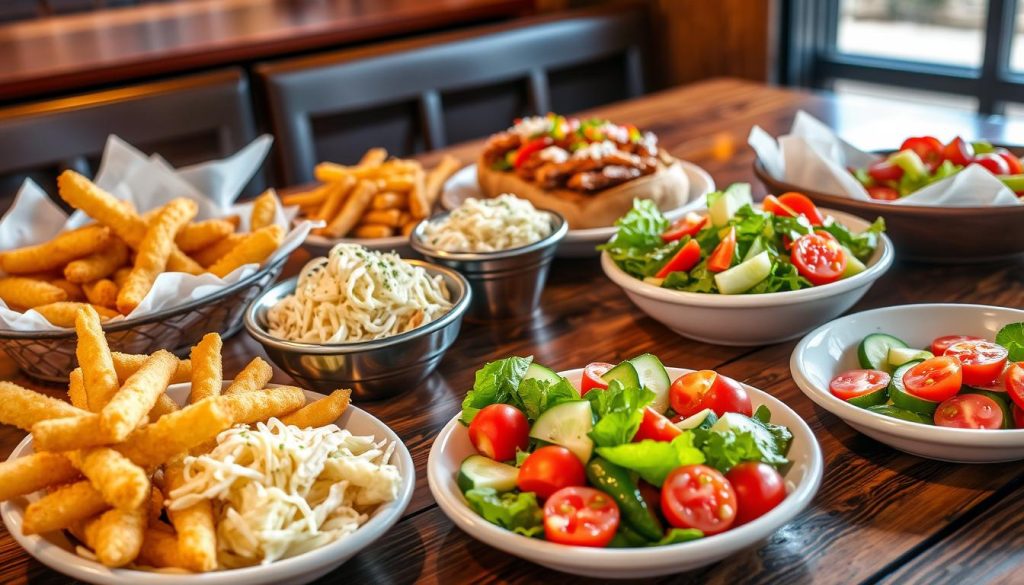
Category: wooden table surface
<point>880,516</point>
<point>71,52</point>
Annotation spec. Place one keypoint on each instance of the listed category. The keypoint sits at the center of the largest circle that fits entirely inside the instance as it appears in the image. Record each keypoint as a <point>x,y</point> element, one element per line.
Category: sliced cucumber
<point>541,373</point>
<point>1000,398</point>
<point>695,420</point>
<point>625,373</point>
<point>880,396</point>
<point>873,351</point>
<point>567,425</point>
<point>853,264</point>
<point>756,247</point>
<point>478,471</point>
<point>905,400</point>
<point>654,377</point>
<point>910,162</point>
<point>743,276</point>
<point>723,205</point>
<point>895,412</point>
<point>900,355</point>
<point>654,280</point>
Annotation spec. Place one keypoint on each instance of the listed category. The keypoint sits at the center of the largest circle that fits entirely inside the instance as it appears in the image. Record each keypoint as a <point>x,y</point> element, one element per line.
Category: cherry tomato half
<point>1013,163</point>
<point>686,258</point>
<point>695,391</point>
<point>759,488</point>
<point>993,162</point>
<point>969,411</point>
<point>802,205</point>
<point>1014,382</point>
<point>1018,416</point>
<point>858,383</point>
<point>884,171</point>
<point>498,430</point>
<point>817,259</point>
<point>727,395</point>
<point>958,151</point>
<point>941,344</point>
<point>684,226</point>
<point>936,379</point>
<point>592,380</point>
<point>883,193</point>
<point>550,469</point>
<point>580,516</point>
<point>697,496</point>
<point>927,147</point>
<point>656,427</point>
<point>721,257</point>
<point>982,361</point>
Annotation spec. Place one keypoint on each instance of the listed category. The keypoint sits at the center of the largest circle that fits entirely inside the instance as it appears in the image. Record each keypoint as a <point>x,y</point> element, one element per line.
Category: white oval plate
<point>582,243</point>
<point>452,446</point>
<point>831,350</point>
<point>56,551</point>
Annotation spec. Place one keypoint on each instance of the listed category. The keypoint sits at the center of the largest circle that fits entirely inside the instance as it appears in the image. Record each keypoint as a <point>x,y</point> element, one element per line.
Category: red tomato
<point>535,145</point>
<point>884,171</point>
<point>592,380</point>
<point>1014,382</point>
<point>580,516</point>
<point>686,258</point>
<point>721,257</point>
<point>656,427</point>
<point>958,151</point>
<point>498,430</point>
<point>927,147</point>
<point>982,361</point>
<point>697,496</point>
<point>726,395</point>
<point>550,469</point>
<point>969,411</point>
<point>818,260</point>
<point>826,235</point>
<point>802,205</point>
<point>695,391</point>
<point>858,383</point>
<point>936,379</point>
<point>993,162</point>
<point>759,488</point>
<point>1012,162</point>
<point>883,193</point>
<point>685,226</point>
<point>1018,416</point>
<point>772,205</point>
<point>941,344</point>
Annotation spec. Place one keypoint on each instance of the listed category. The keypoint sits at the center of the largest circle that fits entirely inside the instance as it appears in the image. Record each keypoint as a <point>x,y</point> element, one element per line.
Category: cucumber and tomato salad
<point>787,244</point>
<point>960,381</point>
<point>630,458</point>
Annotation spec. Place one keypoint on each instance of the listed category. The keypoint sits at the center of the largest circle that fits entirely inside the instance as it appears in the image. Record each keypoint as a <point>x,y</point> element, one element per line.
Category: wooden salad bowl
<point>927,233</point>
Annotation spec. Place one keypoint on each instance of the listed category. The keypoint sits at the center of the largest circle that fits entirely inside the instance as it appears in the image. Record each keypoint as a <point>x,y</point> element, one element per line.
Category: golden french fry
<point>138,395</point>
<point>153,252</point>
<point>401,183</point>
<point>164,405</point>
<point>34,472</point>
<point>320,413</point>
<point>121,276</point>
<point>83,194</point>
<point>100,264</point>
<point>122,484</point>
<point>250,407</point>
<point>254,376</point>
<point>207,368</point>
<point>312,197</point>
<point>388,217</point>
<point>26,293</point>
<point>370,231</point>
<point>254,249</point>
<point>437,177</point>
<point>57,252</point>
<point>70,433</point>
<point>197,534</point>
<point>159,548</point>
<point>23,408</point>
<point>62,508</point>
<point>354,207</point>
<point>418,204</point>
<point>95,359</point>
<point>219,250</point>
<point>373,157</point>
<point>389,200</point>
<point>197,236</point>
<point>76,390</point>
<point>156,504</point>
<point>335,196</point>
<point>74,291</point>
<point>263,210</point>
<point>176,433</point>
<point>126,364</point>
<point>63,314</point>
<point>116,536</point>
<point>410,225</point>
<point>102,293</point>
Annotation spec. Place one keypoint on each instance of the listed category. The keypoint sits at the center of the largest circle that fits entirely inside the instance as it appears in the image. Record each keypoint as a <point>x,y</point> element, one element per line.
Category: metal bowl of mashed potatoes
<point>375,369</point>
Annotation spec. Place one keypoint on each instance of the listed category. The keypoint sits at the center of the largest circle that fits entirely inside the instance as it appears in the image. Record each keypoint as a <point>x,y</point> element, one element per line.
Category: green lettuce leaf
<point>863,244</point>
<point>518,512</point>
<point>654,460</point>
<point>749,439</point>
<point>495,383</point>
<point>619,411</point>
<point>1012,338</point>
<point>537,396</point>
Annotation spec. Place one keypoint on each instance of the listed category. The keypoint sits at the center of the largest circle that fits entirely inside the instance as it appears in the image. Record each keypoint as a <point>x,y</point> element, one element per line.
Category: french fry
<point>102,293</point>
<point>197,535</point>
<point>95,359</point>
<point>419,206</point>
<point>207,368</point>
<point>402,183</point>
<point>373,157</point>
<point>63,313</point>
<point>137,396</point>
<point>156,505</point>
<point>250,407</point>
<point>76,390</point>
<point>320,413</point>
<point>336,194</point>
<point>27,293</point>
<point>388,217</point>
<point>164,405</point>
<point>254,376</point>
<point>352,210</point>
<point>30,473</point>
<point>218,250</point>
<point>116,536</point>
<point>254,249</point>
<point>159,548</point>
<point>121,276</point>
<point>153,252</point>
<point>122,484</point>
<point>176,433</point>
<point>70,433</point>
<point>198,235</point>
<point>74,291</point>
<point>408,226</point>
<point>313,197</point>
<point>62,508</point>
<point>374,231</point>
<point>437,177</point>
<point>23,408</point>
<point>263,210</point>
<point>389,200</point>
<point>100,264</point>
<point>57,252</point>
<point>126,364</point>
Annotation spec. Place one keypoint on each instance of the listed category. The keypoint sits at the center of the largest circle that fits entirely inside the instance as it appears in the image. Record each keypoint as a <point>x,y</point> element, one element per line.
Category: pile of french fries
<point>376,198</point>
<point>106,462</point>
<point>112,263</point>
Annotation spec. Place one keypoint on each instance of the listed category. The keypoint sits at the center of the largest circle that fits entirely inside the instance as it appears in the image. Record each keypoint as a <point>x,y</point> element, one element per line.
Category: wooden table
<point>880,516</point>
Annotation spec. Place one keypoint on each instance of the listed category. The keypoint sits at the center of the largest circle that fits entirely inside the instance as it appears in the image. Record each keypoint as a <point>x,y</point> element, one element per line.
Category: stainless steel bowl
<point>506,284</point>
<point>372,369</point>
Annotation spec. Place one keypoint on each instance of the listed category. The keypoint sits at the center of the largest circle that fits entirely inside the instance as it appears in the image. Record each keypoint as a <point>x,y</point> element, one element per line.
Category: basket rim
<point>159,315</point>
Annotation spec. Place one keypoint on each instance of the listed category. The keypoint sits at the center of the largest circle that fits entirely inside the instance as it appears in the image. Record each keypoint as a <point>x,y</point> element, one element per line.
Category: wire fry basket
<point>50,355</point>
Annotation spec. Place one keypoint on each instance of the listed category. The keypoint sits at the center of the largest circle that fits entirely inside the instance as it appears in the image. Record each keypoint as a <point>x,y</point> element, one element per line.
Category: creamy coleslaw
<point>488,225</point>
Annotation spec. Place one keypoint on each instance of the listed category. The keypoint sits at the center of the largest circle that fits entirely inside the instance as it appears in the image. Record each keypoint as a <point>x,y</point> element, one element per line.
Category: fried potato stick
<point>34,472</point>
<point>74,291</point>
<point>313,197</point>
<point>250,407</point>
<point>159,548</point>
<point>153,252</point>
<point>337,191</point>
<point>76,390</point>
<point>23,408</point>
<point>197,534</point>
<point>263,210</point>
<point>207,368</point>
<point>254,376</point>
<point>25,293</point>
<point>99,264</point>
<point>57,252</point>
<point>374,231</point>
<point>138,395</point>
<point>64,313</point>
<point>254,249</point>
<point>95,359</point>
<point>198,235</point>
<point>322,412</point>
<point>62,508</point>
<point>102,292</point>
<point>419,206</point>
<point>353,209</point>
<point>121,276</point>
<point>389,200</point>
<point>70,433</point>
<point>116,536</point>
<point>219,249</point>
<point>122,483</point>
<point>408,226</point>
<point>437,177</point>
<point>176,433</point>
<point>164,405</point>
<point>126,364</point>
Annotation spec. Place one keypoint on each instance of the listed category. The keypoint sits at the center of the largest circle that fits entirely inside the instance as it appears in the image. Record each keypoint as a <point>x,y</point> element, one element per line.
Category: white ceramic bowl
<point>56,551</point>
<point>581,243</point>
<point>452,446</point>
<point>753,319</point>
<point>831,349</point>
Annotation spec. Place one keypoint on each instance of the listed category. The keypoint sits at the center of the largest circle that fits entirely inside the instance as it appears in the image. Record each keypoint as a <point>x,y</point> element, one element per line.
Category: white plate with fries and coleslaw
<point>164,472</point>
